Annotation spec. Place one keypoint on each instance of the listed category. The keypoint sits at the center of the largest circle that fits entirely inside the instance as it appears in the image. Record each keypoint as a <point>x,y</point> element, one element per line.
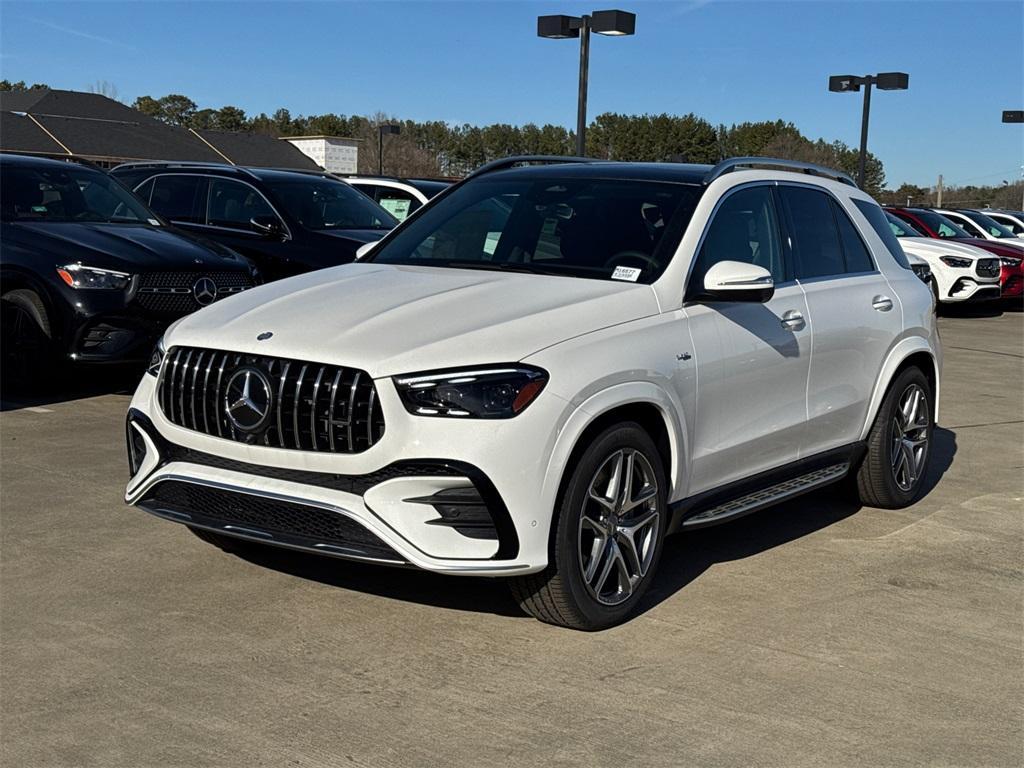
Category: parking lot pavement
<point>816,633</point>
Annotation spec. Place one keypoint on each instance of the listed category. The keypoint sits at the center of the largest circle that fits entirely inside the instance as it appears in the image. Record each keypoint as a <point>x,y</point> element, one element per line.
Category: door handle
<point>792,320</point>
<point>882,303</point>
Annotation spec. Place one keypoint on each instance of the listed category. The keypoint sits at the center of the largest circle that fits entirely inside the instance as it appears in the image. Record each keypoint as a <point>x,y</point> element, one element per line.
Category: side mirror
<point>365,248</point>
<point>266,225</point>
<point>738,281</point>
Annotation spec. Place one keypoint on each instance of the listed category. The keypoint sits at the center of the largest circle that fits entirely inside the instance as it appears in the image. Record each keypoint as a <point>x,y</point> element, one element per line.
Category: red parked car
<point>932,224</point>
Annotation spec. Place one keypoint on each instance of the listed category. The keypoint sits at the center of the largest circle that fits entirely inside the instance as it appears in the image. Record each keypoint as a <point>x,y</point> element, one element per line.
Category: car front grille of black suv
<point>180,293</point>
<point>270,401</point>
<point>988,267</point>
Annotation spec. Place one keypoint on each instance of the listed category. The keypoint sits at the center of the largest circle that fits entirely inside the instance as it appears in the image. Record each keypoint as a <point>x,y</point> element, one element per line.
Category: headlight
<point>953,261</point>
<point>492,392</point>
<point>78,276</point>
<point>1009,261</point>
<point>156,357</point>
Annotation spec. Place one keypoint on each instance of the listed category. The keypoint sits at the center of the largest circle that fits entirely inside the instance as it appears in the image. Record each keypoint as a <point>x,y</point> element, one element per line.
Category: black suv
<point>287,222</point>
<point>87,272</point>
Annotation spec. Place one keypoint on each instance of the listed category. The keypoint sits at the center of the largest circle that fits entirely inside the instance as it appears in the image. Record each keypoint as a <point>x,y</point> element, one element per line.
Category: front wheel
<point>608,535</point>
<point>899,445</point>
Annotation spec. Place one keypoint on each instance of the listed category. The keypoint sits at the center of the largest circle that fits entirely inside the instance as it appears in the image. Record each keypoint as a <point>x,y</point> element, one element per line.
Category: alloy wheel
<point>909,437</point>
<point>619,526</point>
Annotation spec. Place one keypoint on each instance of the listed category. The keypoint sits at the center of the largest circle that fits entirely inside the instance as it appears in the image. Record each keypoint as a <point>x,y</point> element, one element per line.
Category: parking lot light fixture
<point>381,130</point>
<point>560,27</point>
<point>886,81</point>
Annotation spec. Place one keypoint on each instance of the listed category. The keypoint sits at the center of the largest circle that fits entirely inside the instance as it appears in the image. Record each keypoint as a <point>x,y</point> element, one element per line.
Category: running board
<point>773,494</point>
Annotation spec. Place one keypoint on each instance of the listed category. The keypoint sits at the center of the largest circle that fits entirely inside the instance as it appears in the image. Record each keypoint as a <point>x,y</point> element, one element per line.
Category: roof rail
<point>307,171</point>
<point>733,163</point>
<point>509,162</point>
<point>174,163</point>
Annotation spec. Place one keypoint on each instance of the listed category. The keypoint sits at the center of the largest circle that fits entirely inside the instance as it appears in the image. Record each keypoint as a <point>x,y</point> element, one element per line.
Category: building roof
<point>319,136</point>
<point>95,127</point>
<point>18,133</point>
<point>257,149</point>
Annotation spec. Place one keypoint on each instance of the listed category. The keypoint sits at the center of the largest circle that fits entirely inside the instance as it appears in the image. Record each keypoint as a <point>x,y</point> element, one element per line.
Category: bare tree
<point>104,88</point>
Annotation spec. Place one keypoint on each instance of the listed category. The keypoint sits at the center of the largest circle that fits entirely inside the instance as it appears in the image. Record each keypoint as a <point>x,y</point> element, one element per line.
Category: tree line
<point>437,148</point>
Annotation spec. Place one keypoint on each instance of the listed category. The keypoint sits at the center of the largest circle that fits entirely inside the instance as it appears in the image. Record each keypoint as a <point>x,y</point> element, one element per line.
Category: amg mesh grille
<point>312,407</point>
<point>287,522</point>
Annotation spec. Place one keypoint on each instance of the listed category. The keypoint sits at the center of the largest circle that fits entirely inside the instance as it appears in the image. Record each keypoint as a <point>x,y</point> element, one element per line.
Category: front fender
<point>600,403</point>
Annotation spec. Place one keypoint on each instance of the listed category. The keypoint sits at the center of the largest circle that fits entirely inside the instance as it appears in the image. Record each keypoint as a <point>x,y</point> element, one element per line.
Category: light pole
<point>1016,116</point>
<point>381,130</point>
<point>613,23</point>
<point>886,81</point>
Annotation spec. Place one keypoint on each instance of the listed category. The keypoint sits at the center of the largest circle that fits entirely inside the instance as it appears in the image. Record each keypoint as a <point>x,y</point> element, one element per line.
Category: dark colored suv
<point>88,273</point>
<point>287,222</point>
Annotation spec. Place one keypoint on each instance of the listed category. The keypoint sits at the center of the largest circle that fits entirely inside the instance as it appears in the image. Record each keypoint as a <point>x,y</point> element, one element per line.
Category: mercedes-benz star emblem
<point>248,399</point>
<point>264,336</point>
<point>205,291</point>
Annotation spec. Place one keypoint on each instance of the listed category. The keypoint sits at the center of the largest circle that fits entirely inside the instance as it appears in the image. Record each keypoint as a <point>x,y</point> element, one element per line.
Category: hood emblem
<point>248,399</point>
<point>264,336</point>
<point>205,291</point>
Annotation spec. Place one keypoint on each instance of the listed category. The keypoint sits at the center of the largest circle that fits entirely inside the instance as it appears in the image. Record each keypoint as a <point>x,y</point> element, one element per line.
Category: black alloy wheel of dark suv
<point>89,274</point>
<point>286,222</point>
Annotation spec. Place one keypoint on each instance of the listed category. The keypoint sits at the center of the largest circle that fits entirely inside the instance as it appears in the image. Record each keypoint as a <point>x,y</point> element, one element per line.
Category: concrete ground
<point>817,633</point>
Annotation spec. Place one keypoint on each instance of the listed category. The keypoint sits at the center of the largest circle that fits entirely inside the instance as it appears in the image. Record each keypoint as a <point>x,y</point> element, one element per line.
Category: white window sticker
<point>626,273</point>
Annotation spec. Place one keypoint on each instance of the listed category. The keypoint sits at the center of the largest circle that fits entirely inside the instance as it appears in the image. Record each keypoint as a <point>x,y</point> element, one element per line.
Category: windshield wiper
<point>500,266</point>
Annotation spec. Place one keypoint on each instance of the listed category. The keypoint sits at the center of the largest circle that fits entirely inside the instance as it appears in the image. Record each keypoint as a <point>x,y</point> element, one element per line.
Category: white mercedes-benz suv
<point>548,368</point>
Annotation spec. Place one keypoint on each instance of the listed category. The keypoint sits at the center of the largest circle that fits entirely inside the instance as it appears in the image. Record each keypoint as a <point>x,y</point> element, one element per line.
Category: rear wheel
<point>899,444</point>
<point>28,353</point>
<point>608,535</point>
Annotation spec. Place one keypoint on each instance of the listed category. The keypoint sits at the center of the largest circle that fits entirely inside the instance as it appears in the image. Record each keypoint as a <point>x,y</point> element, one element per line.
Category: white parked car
<point>548,370</point>
<point>1012,220</point>
<point>960,272</point>
<point>399,197</point>
<point>977,224</point>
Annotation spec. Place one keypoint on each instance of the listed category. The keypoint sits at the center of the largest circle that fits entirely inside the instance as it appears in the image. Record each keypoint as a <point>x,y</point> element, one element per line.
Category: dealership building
<point>55,123</point>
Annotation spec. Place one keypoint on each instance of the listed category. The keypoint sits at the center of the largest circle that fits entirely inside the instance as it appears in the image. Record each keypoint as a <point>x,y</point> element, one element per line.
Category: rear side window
<point>180,198</point>
<point>815,239</point>
<point>858,259</point>
<point>876,218</point>
<point>745,228</point>
<point>145,191</point>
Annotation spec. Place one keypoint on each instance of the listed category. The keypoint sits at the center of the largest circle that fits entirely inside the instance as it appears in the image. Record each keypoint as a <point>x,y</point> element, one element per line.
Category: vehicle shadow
<point>685,558</point>
<point>981,309</point>
<point>71,384</point>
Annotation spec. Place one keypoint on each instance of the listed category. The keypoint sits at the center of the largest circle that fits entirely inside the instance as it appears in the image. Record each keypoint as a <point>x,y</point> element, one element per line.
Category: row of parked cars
<point>972,255</point>
<point>94,273</point>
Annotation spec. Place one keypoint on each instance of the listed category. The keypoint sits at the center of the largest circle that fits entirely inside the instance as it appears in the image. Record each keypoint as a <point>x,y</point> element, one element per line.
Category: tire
<point>28,350</point>
<point>588,534</point>
<point>893,471</point>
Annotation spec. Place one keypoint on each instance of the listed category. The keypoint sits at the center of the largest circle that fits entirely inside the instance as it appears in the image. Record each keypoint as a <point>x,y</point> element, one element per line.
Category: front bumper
<point>479,510</point>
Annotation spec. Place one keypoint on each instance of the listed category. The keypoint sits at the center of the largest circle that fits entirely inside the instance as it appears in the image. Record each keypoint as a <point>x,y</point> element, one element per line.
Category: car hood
<point>123,247</point>
<point>388,319</point>
<point>998,247</point>
<point>931,248</point>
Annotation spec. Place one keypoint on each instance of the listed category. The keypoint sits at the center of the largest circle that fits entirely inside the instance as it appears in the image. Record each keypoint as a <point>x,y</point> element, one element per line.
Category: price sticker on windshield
<point>626,273</point>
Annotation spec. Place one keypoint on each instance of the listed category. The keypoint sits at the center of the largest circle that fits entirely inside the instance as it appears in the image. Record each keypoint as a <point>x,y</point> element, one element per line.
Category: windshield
<point>324,204</point>
<point>940,224</point>
<point>989,224</point>
<point>595,228</point>
<point>900,228</point>
<point>72,193</point>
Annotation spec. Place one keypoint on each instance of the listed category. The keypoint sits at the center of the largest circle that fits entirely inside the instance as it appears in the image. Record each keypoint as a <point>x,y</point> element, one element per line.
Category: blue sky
<point>481,62</point>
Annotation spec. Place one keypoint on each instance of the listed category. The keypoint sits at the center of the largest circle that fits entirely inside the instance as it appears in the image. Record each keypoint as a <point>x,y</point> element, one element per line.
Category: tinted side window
<point>876,218</point>
<point>814,236</point>
<point>745,228</point>
<point>857,257</point>
<point>179,198</point>
<point>233,204</point>
<point>145,191</point>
